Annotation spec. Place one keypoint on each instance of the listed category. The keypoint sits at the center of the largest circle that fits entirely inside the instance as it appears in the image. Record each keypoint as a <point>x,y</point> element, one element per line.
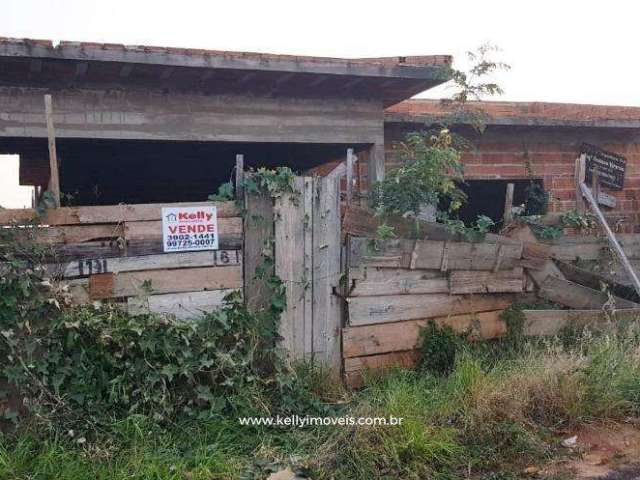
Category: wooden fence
<point>396,286</point>
<point>115,253</point>
<point>388,289</point>
<point>305,226</point>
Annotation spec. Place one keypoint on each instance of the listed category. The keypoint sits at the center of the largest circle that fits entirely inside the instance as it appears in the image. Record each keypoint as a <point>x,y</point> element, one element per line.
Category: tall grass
<point>501,408</point>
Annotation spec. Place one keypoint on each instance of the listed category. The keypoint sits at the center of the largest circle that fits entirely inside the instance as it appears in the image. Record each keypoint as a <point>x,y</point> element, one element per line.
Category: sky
<point>559,51</point>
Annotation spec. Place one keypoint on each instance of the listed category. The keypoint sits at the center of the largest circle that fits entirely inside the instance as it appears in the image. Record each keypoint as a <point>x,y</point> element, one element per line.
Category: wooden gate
<point>305,227</point>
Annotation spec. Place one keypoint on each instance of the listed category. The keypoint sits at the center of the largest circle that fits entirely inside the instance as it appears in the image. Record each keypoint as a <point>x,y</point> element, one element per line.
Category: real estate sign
<point>189,228</point>
<point>611,166</point>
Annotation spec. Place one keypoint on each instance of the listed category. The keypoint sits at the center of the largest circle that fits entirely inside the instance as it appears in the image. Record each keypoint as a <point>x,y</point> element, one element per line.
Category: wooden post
<point>611,237</point>
<point>350,162</point>
<point>240,178</point>
<point>508,203</point>
<point>580,173</point>
<point>376,164</point>
<point>54,179</point>
<point>595,184</point>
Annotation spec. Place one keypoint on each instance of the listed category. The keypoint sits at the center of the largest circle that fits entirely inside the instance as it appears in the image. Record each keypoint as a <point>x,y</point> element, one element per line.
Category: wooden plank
<point>108,213</point>
<point>101,286</point>
<point>401,336</point>
<point>54,178</point>
<point>350,164</point>
<point>429,254</point>
<point>551,322</point>
<point>148,282</point>
<point>393,253</point>
<point>132,248</point>
<point>395,308</point>
<point>577,296</point>
<point>183,306</point>
<point>376,164</point>
<point>258,241</point>
<point>88,266</point>
<point>391,281</point>
<point>239,178</point>
<point>356,367</point>
<point>361,222</point>
<point>291,266</point>
<point>536,257</point>
<point>468,281</point>
<point>327,307</point>
<point>309,198</point>
<point>153,228</point>
<point>594,280</point>
<point>75,233</point>
<point>579,176</point>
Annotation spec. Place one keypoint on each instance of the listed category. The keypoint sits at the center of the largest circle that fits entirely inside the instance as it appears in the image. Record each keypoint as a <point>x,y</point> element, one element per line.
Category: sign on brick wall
<point>611,166</point>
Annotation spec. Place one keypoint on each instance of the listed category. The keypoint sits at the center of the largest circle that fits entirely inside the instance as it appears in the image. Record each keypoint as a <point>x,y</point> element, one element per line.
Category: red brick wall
<point>501,153</point>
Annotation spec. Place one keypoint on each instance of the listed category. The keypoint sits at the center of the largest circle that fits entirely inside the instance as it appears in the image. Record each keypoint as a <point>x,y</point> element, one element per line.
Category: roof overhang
<point>391,79</point>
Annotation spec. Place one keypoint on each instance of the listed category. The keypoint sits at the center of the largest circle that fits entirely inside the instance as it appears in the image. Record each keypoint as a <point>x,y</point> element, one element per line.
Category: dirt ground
<point>601,451</point>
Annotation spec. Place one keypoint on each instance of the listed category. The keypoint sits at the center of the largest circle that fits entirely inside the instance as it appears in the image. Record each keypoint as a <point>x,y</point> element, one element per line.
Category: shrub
<point>439,348</point>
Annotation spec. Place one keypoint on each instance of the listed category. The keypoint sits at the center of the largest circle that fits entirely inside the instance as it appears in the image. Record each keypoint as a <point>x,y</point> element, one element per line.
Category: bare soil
<point>602,451</point>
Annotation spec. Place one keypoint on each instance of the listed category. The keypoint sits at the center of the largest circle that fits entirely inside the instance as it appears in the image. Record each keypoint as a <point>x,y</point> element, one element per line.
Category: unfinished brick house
<point>547,136</point>
<point>151,124</point>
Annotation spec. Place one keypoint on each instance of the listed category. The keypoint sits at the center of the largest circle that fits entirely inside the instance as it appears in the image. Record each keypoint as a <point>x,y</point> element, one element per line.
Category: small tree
<point>431,167</point>
<point>430,171</point>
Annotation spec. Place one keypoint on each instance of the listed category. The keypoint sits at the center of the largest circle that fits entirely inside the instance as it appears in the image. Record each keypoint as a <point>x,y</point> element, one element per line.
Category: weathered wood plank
<point>394,253</point>
<point>89,266</point>
<point>391,281</point>
<point>116,248</point>
<point>151,282</point>
<point>430,254</point>
<point>183,306</point>
<point>327,307</point>
<point>107,213</point>
<point>465,256</point>
<point>153,228</point>
<point>309,198</point>
<point>292,266</point>
<point>77,233</point>
<point>595,280</point>
<point>258,241</point>
<point>551,322</point>
<point>577,296</point>
<point>468,281</point>
<point>395,308</point>
<point>361,222</point>
<point>355,368</point>
<point>401,336</point>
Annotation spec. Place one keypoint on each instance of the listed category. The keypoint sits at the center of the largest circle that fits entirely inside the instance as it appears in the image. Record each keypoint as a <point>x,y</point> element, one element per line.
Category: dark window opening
<point>107,172</point>
<point>487,197</point>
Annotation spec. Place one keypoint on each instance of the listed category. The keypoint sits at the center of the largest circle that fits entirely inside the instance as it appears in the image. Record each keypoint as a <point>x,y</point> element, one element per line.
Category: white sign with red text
<point>189,228</point>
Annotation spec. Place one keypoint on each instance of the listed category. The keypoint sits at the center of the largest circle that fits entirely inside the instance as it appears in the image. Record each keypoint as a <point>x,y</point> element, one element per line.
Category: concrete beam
<point>152,115</point>
<point>225,60</point>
